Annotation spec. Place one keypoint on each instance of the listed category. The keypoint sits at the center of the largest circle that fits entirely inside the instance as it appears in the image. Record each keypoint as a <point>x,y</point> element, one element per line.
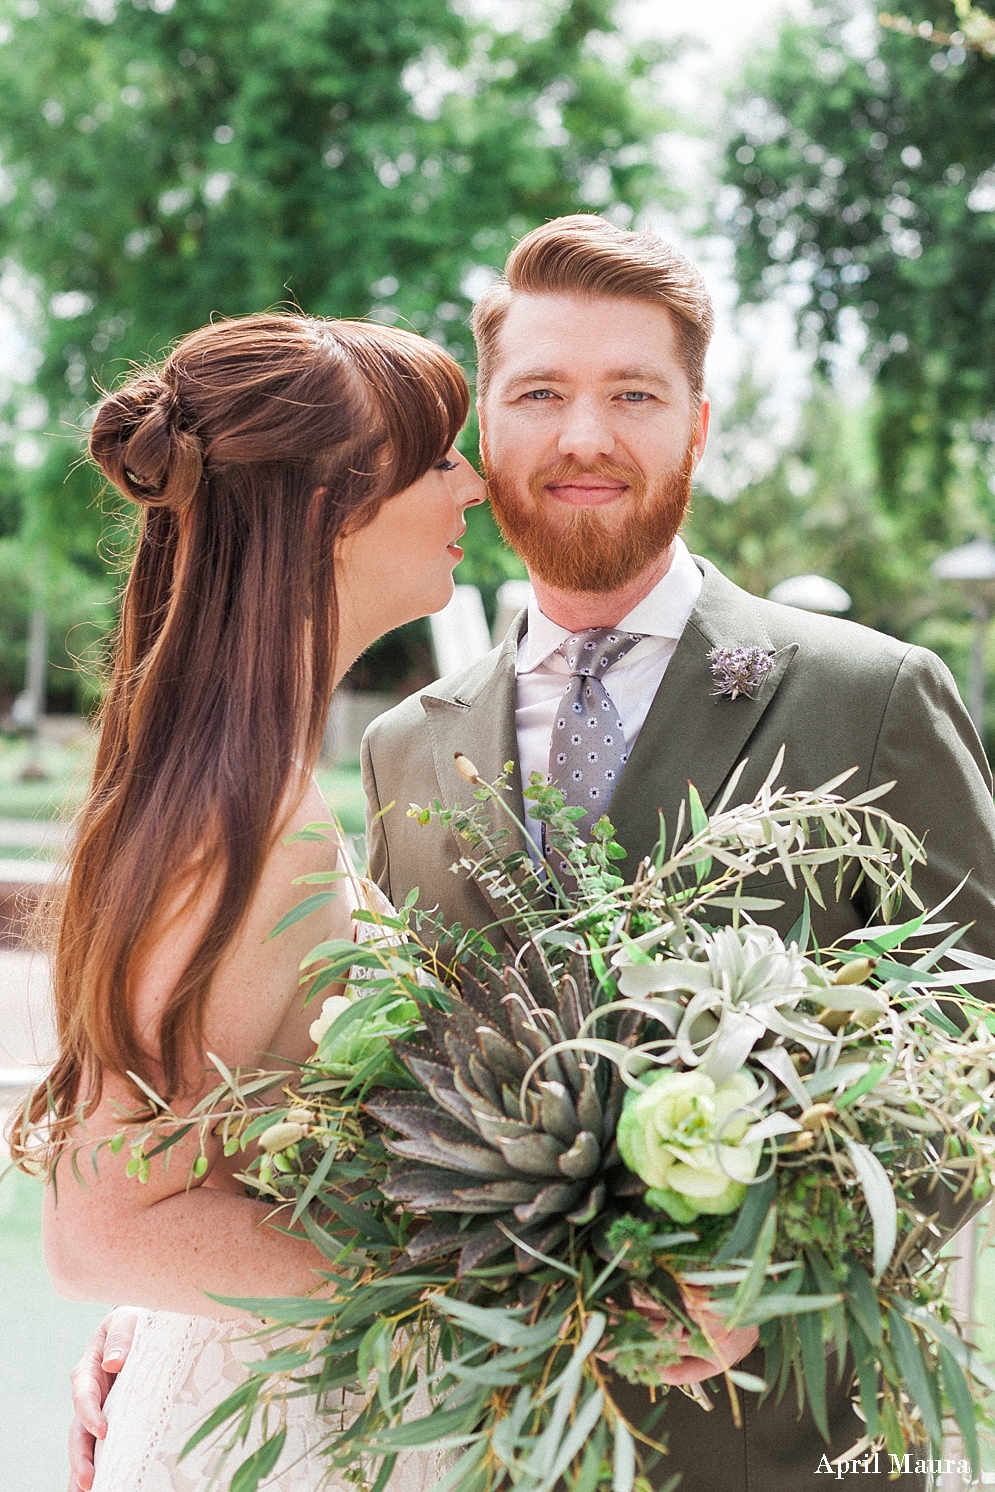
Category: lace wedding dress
<point>178,1370</point>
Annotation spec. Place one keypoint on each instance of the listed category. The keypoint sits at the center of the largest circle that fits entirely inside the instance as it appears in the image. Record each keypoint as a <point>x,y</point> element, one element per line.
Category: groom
<point>593,419</point>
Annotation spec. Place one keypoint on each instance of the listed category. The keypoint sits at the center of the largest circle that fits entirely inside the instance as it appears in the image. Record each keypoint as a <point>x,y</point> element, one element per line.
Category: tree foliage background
<point>859,183</point>
<point>168,160</point>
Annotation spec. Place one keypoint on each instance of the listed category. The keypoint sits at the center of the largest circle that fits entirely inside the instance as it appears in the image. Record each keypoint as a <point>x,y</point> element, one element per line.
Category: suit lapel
<point>475,715</point>
<point>689,734</point>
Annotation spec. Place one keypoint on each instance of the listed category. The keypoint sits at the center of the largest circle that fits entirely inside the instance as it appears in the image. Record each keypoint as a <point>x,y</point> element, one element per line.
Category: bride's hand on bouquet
<point>92,1378</point>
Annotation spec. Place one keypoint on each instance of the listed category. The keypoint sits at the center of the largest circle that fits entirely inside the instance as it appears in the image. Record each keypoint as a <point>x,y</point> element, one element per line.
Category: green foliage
<point>485,1152</point>
<point>10,498</point>
<point>348,1047</point>
<point>489,562</point>
<point>200,163</point>
<point>357,157</point>
<point>862,184</point>
<point>67,770</point>
<point>640,1356</point>
<point>816,511</point>
<point>813,1213</point>
<point>821,509</point>
<point>79,615</point>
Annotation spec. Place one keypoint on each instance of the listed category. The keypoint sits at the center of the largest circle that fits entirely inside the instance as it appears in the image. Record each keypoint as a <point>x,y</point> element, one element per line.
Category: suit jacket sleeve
<point>377,859</point>
<point>928,746</point>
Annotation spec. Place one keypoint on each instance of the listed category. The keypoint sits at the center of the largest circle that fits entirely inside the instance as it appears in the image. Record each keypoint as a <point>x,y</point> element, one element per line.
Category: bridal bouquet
<point>646,1136</point>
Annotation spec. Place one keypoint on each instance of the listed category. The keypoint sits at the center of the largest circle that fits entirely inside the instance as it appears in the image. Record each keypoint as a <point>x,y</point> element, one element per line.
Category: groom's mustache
<point>563,473</point>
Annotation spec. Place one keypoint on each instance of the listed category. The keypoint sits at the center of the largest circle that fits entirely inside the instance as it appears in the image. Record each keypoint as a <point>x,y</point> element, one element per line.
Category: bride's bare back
<point>164,1243</point>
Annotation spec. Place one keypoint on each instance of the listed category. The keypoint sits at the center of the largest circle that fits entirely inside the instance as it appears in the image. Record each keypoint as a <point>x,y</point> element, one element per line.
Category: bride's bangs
<point>421,392</point>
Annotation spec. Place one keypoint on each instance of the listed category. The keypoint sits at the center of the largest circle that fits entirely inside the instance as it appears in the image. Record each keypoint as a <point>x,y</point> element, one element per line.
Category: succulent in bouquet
<point>631,1136</point>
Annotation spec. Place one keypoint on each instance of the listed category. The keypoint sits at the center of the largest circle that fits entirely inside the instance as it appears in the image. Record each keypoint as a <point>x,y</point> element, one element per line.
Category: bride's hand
<point>91,1379</point>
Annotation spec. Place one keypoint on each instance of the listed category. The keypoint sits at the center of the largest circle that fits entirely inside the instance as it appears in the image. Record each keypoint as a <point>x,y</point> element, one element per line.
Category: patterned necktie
<point>587,751</point>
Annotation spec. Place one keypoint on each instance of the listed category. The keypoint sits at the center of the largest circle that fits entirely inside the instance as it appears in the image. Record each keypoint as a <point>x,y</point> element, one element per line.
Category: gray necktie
<point>587,751</point>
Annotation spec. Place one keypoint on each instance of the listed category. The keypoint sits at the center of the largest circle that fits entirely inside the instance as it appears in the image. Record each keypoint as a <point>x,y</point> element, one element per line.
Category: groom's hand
<point>92,1378</point>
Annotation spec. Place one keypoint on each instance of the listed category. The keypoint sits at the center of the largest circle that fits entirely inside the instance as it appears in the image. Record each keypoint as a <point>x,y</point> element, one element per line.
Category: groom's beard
<point>590,549</point>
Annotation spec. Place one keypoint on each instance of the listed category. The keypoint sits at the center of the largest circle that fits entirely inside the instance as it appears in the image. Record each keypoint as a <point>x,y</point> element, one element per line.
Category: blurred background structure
<point>163,161</point>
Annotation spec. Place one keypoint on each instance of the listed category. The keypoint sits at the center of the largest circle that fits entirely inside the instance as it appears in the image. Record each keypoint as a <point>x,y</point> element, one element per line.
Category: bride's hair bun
<point>139,441</point>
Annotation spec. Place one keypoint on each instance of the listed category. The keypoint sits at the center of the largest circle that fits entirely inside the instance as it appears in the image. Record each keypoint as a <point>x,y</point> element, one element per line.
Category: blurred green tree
<point>817,508</point>
<point>859,182</point>
<point>165,162</point>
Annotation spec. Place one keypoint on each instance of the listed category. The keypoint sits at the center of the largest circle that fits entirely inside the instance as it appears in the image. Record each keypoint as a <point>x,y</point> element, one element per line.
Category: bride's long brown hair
<point>252,449</point>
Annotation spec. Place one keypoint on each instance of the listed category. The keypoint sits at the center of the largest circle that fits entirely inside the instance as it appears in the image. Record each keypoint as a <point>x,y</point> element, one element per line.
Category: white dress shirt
<point>541,673</point>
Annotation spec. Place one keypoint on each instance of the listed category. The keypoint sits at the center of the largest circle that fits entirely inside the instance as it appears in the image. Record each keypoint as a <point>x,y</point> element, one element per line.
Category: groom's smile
<point>586,491</point>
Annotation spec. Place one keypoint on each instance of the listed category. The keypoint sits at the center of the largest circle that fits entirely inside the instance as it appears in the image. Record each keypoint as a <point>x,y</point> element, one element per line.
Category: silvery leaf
<point>644,942</point>
<point>880,930</point>
<point>951,979</point>
<point>746,903</point>
<point>835,1077</point>
<point>797,1027</point>
<point>699,1010</point>
<point>774,1124</point>
<point>777,1061</point>
<point>732,1043</point>
<point>635,980</point>
<point>852,997</point>
<point>972,960</point>
<point>880,1201</point>
<point>624,1467</point>
<point>669,1013</point>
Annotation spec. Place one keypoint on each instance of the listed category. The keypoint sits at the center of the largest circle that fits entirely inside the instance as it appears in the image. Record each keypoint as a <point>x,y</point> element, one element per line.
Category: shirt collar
<point>662,613</point>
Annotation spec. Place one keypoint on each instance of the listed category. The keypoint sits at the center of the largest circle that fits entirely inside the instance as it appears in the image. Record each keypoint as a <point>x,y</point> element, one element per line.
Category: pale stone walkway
<point>32,834</point>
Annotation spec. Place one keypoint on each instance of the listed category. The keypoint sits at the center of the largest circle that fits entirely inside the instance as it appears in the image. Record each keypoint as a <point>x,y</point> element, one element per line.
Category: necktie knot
<point>590,653</point>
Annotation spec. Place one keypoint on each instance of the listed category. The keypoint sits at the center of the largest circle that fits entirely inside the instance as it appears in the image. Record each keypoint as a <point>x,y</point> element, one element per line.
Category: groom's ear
<point>701,431</point>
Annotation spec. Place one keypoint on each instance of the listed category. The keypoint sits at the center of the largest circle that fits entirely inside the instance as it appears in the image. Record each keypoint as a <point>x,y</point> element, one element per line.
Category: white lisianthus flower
<point>680,1137</point>
<point>330,1012</point>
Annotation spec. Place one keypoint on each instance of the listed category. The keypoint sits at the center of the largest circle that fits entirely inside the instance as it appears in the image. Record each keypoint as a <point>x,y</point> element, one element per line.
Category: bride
<point>299,497</point>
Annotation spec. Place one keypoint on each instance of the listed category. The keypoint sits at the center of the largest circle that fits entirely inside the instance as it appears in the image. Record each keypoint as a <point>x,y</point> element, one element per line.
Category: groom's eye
<point>543,394</point>
<point>635,396</point>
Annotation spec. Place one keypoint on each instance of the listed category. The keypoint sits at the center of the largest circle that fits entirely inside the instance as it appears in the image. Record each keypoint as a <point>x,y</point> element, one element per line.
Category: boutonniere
<point>739,670</point>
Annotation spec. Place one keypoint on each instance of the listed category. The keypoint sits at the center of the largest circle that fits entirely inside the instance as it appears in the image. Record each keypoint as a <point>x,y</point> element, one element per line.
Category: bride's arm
<point>162,1244</point>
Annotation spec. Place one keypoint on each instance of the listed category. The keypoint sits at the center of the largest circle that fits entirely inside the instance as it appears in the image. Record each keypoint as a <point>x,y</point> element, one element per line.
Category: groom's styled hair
<point>586,255</point>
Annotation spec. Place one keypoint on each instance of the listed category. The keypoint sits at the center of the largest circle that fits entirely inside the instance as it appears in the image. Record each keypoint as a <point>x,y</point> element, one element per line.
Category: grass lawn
<point>41,1339</point>
<point>61,792</point>
<point>68,768</point>
<point>343,791</point>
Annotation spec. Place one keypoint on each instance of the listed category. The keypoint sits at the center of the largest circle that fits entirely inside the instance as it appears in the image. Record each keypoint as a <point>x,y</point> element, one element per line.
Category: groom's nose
<point>585,432</point>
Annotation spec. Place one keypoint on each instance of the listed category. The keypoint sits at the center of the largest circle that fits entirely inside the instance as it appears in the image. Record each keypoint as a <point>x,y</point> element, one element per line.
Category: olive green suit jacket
<point>839,696</point>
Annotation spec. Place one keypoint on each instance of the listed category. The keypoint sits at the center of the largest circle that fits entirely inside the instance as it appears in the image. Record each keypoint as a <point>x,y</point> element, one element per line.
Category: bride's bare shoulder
<point>256,985</point>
